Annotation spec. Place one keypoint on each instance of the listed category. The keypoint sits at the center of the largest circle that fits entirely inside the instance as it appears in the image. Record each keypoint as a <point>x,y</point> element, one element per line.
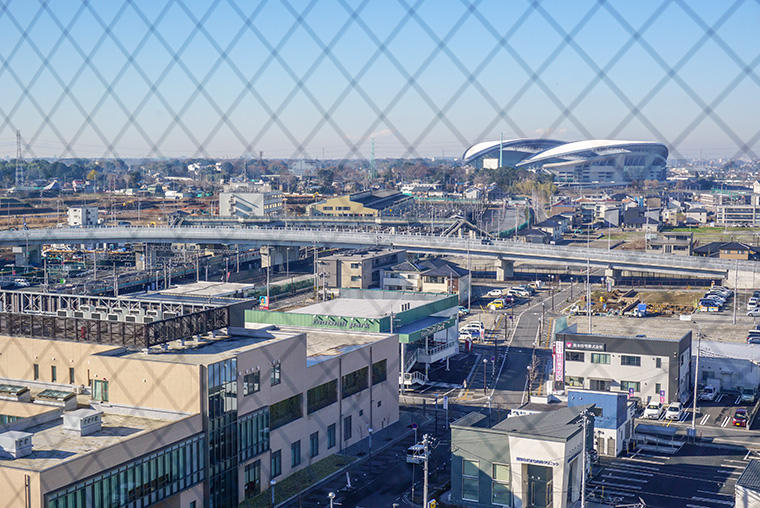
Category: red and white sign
<point>559,360</point>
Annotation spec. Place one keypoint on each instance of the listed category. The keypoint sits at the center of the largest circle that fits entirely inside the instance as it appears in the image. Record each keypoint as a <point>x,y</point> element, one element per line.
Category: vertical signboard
<point>559,361</point>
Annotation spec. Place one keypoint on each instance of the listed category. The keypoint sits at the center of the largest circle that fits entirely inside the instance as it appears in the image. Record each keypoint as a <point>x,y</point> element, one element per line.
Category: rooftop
<point>52,444</point>
<point>360,307</point>
<point>750,478</point>
<point>561,423</point>
<point>207,288</point>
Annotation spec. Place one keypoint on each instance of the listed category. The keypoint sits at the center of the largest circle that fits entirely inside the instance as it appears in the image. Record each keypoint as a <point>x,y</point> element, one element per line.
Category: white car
<point>754,312</point>
<point>674,411</point>
<point>495,293</point>
<point>752,303</point>
<point>472,326</point>
<point>653,411</point>
<point>708,393</point>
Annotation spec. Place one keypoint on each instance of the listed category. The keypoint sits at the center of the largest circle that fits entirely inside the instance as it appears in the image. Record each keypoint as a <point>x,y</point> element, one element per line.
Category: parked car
<point>472,325</point>
<point>753,339</point>
<point>740,418</point>
<point>522,293</point>
<point>674,411</point>
<point>653,411</point>
<point>752,303</point>
<point>754,312</point>
<point>708,393</point>
<point>748,395</point>
<point>495,293</point>
<point>496,304</point>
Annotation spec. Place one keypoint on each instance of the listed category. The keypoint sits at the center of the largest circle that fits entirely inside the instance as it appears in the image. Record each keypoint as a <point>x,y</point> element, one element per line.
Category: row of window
<point>604,358</point>
<point>253,433</point>
<point>501,484</point>
<point>142,481</point>
<point>295,449</point>
<point>578,381</point>
<point>53,373</point>
<point>252,381</point>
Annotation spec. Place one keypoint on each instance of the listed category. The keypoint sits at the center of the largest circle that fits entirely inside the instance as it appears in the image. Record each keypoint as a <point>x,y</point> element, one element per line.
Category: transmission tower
<point>372,163</point>
<point>19,167</point>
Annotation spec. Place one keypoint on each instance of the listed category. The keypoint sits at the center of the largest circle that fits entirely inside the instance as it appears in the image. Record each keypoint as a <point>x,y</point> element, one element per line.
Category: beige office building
<point>200,422</point>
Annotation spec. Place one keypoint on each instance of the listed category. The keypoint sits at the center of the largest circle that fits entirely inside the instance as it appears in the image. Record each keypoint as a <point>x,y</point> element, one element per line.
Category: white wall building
<point>250,204</point>
<point>83,216</point>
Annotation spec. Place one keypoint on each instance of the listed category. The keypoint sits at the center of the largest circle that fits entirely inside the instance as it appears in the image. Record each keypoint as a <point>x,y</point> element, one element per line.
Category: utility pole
<point>588,293</point>
<point>736,288</point>
<point>115,281</point>
<point>485,384</point>
<point>696,377</point>
<point>425,444</point>
<point>583,462</point>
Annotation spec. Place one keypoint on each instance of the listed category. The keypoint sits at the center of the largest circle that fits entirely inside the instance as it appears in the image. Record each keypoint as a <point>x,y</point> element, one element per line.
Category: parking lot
<point>672,481</point>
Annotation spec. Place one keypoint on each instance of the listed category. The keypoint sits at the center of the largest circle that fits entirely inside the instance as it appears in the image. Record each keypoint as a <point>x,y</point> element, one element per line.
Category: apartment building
<point>250,204</point>
<point>202,421</point>
<point>676,243</point>
<point>643,367</point>
<point>360,269</point>
<point>433,275</point>
<point>82,216</point>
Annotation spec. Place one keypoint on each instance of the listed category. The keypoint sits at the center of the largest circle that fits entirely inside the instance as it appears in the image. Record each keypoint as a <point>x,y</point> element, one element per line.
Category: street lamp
<point>331,496</point>
<point>271,484</point>
<point>485,363</point>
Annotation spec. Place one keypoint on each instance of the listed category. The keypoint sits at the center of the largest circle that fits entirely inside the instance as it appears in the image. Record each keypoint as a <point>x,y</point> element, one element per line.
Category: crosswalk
<point>668,480</point>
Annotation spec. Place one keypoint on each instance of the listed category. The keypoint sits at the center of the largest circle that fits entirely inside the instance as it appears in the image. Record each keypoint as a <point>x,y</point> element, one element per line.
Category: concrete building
<point>359,269</point>
<point>747,490</point>
<point>250,204</point>
<point>426,324</point>
<point>433,275</point>
<point>82,216</point>
<point>363,204</point>
<point>613,418</point>
<point>728,250</point>
<point>678,244</point>
<point>530,460</point>
<point>728,366</point>
<point>643,367</point>
<point>204,421</point>
<point>737,215</point>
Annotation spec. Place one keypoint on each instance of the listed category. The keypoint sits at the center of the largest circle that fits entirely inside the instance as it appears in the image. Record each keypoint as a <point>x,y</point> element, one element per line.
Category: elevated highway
<point>743,272</point>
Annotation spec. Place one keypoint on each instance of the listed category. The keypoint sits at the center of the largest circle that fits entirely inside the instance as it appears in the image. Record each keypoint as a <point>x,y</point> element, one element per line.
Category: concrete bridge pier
<point>276,256</point>
<point>742,279</point>
<point>612,275</point>
<point>505,269</point>
<point>27,256</point>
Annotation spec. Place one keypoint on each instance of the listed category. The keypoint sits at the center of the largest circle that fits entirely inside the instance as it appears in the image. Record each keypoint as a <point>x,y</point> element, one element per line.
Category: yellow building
<point>362,204</point>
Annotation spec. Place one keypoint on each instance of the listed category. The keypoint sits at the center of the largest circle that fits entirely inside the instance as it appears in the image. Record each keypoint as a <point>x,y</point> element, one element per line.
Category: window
<point>36,371</point>
<point>330,436</point>
<point>295,454</point>
<point>354,382</point>
<point>314,444</point>
<point>658,363</point>
<point>253,478</point>
<point>470,474</point>
<point>347,428</point>
<point>575,356</point>
<point>285,411</point>
<point>355,266</point>
<point>627,385</point>
<point>276,465</point>
<point>53,374</point>
<point>634,361</point>
<point>100,391</point>
<point>501,491</point>
<point>71,375</point>
<point>251,383</point>
<point>321,396</point>
<point>575,381</point>
<point>192,504</point>
<point>355,278</point>
<point>253,433</point>
<point>276,373</point>
<point>379,371</point>
<point>600,358</point>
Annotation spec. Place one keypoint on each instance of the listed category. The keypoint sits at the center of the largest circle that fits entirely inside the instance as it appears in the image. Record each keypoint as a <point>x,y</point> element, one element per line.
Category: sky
<point>327,78</point>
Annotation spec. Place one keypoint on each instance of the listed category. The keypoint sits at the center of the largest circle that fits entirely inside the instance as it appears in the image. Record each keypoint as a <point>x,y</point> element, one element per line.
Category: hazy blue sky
<point>421,78</point>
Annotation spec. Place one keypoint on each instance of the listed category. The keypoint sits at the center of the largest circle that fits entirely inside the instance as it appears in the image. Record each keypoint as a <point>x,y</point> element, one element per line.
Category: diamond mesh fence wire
<point>308,79</point>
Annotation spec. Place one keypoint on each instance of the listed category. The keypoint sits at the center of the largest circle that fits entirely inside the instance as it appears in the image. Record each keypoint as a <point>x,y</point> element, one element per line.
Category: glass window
<point>470,472</point>
<point>251,383</point>
<point>276,373</point>
<point>657,388</point>
<point>658,363</point>
<point>314,444</point>
<point>347,428</point>
<point>330,436</point>
<point>574,381</point>
<point>630,360</point>
<point>71,375</point>
<point>253,478</point>
<point>574,356</point>
<point>286,411</point>
<point>276,469</point>
<point>295,454</point>
<point>36,371</point>
<point>600,358</point>
<point>354,382</point>
<point>321,396</point>
<point>501,492</point>
<point>379,371</point>
<point>53,374</point>
<point>627,385</point>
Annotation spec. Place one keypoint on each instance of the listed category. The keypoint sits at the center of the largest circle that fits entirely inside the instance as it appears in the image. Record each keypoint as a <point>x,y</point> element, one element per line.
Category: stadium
<point>595,162</point>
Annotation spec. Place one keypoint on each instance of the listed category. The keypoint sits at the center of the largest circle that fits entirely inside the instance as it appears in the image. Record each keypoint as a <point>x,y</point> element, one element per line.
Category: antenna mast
<point>19,167</point>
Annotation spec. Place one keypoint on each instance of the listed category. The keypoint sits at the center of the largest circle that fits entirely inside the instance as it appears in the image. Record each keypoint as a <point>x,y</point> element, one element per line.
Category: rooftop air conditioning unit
<point>16,443</point>
<point>84,421</point>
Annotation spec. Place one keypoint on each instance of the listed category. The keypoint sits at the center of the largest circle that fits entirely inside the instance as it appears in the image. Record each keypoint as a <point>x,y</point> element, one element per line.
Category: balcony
<point>437,352</point>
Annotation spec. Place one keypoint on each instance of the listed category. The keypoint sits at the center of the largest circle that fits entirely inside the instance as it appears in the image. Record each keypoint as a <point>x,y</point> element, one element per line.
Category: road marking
<point>696,506</point>
<point>720,397</point>
<point>715,493</point>
<point>733,466</point>
<point>725,421</point>
<point>704,419</point>
<point>619,485</point>
<point>636,466</point>
<point>740,461</point>
<point>629,471</point>
<point>623,478</point>
<point>748,454</point>
<point>739,398</point>
<point>712,500</point>
<point>645,461</point>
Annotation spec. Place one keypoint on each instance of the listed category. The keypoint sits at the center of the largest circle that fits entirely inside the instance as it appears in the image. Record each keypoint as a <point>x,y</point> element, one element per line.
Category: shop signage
<point>585,345</point>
